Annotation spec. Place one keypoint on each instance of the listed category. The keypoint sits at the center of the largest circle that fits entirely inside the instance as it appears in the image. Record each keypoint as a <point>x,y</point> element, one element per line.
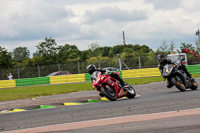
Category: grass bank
<point>35,91</point>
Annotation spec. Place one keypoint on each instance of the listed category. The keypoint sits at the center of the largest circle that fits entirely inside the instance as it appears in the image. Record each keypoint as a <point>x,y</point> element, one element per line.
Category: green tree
<point>5,59</point>
<point>197,45</point>
<point>47,48</point>
<point>47,51</point>
<point>20,53</point>
<point>144,49</point>
<point>105,51</point>
<point>188,46</point>
<point>111,54</point>
<point>118,49</point>
<point>128,51</point>
<point>151,59</point>
<point>164,47</point>
<point>94,47</point>
<point>172,47</point>
<point>85,55</point>
<point>136,47</point>
<point>191,57</point>
<point>68,52</point>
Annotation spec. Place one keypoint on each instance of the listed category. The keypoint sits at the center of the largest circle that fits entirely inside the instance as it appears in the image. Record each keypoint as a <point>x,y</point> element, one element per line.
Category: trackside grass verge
<point>35,91</point>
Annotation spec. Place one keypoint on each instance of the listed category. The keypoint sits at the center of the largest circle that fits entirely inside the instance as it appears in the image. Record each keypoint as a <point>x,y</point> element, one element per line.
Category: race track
<point>154,99</point>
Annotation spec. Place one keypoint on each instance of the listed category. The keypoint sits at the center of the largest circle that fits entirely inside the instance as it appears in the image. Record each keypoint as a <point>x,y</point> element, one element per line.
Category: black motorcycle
<point>178,77</point>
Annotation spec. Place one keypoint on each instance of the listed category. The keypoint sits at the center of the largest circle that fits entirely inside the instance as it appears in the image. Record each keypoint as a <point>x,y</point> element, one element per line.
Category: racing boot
<point>101,94</point>
<point>190,76</point>
<point>169,84</point>
<point>191,79</point>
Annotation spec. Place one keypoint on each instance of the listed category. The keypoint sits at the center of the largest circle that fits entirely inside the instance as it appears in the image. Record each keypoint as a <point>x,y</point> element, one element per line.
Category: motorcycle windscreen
<point>96,77</point>
<point>167,70</point>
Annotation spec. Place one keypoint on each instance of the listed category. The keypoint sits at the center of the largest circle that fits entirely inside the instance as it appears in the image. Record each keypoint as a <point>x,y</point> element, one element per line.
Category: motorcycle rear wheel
<point>177,81</point>
<point>109,92</point>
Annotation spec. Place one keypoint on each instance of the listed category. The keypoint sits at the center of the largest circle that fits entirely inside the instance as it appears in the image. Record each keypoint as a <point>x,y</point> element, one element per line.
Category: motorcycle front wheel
<point>131,93</point>
<point>178,82</point>
<point>109,92</point>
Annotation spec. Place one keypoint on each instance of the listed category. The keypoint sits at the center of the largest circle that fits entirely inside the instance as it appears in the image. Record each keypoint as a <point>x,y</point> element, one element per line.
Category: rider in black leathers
<point>94,72</point>
<point>161,59</point>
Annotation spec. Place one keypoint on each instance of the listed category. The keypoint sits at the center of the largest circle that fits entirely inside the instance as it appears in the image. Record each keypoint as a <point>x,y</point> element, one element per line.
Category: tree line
<point>49,53</point>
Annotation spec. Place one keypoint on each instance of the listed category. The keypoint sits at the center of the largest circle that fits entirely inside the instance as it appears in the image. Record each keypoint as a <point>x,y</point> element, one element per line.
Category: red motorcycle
<point>111,88</point>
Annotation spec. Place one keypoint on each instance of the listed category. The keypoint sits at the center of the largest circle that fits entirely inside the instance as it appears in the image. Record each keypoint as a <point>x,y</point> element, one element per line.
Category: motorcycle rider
<point>94,72</point>
<point>162,62</point>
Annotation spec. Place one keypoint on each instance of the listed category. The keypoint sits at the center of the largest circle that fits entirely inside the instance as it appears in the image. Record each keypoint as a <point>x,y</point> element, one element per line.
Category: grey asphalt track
<point>155,98</point>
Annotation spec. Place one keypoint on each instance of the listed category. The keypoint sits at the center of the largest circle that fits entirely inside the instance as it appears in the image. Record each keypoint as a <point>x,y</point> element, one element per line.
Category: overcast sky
<point>25,23</point>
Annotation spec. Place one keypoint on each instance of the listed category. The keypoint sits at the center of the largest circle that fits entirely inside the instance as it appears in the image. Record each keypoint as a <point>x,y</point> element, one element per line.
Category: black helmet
<point>91,68</point>
<point>160,58</point>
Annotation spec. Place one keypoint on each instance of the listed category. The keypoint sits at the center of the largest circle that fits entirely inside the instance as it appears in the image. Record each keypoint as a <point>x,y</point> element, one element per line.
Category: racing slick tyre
<point>109,92</point>
<point>194,85</point>
<point>131,93</point>
<point>178,82</point>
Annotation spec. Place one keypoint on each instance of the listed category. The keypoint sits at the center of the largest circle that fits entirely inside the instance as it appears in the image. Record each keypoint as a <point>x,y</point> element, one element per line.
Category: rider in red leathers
<point>94,72</point>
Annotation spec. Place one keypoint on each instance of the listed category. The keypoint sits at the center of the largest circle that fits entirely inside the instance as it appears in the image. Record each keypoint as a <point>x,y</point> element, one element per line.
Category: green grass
<point>34,91</point>
<point>139,81</point>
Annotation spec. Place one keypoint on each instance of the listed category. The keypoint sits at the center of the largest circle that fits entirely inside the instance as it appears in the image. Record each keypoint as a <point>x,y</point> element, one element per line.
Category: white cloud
<point>33,20</point>
<point>114,14</point>
<point>78,22</point>
<point>165,4</point>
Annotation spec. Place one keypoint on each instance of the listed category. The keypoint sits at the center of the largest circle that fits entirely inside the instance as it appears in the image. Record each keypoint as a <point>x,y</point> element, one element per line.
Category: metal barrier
<point>193,68</point>
<point>67,79</point>
<point>7,83</point>
<point>134,73</point>
<point>138,73</point>
<point>32,81</point>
